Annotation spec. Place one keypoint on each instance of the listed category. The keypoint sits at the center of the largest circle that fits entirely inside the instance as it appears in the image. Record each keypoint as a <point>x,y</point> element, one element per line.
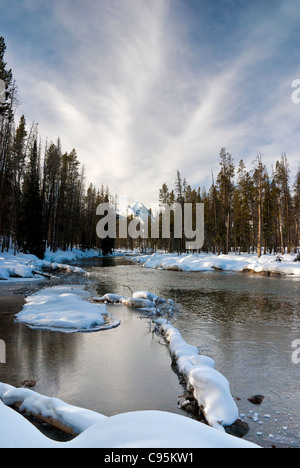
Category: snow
<point>109,298</point>
<point>210,388</point>
<point>141,429</point>
<point>68,309</point>
<point>23,266</point>
<point>137,210</point>
<point>138,303</point>
<point>145,295</point>
<point>76,418</point>
<point>65,309</point>
<point>20,266</point>
<point>69,256</point>
<point>145,301</point>
<point>209,262</point>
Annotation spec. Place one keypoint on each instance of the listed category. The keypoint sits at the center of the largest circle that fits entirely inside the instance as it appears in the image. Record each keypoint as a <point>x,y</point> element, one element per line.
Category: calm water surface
<point>246,323</point>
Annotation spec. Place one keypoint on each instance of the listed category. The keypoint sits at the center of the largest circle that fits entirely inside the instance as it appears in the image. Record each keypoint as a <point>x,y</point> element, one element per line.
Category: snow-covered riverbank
<point>66,308</point>
<point>47,310</point>
<point>268,264</point>
<point>27,266</point>
<point>141,429</point>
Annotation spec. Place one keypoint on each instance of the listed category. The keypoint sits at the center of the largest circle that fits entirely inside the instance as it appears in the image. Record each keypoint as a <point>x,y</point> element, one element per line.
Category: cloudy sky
<point>141,88</point>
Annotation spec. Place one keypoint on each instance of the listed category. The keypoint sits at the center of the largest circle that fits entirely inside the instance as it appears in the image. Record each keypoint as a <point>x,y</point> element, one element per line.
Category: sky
<point>143,88</point>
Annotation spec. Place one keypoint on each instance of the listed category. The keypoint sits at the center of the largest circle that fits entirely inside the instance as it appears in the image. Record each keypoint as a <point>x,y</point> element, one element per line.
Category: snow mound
<point>27,266</point>
<point>211,389</point>
<point>70,255</point>
<point>64,309</point>
<point>155,429</point>
<point>138,303</point>
<point>141,429</point>
<point>21,266</point>
<point>109,298</point>
<point>145,301</point>
<point>77,419</point>
<point>145,295</point>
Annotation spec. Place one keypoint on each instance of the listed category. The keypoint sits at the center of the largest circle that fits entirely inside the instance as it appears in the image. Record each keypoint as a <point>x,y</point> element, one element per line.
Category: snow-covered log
<point>210,388</point>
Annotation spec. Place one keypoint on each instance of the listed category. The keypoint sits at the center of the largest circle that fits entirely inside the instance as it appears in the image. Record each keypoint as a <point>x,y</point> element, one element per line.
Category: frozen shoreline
<point>27,266</point>
<point>140,429</point>
<point>206,438</point>
<point>93,427</point>
<point>267,264</point>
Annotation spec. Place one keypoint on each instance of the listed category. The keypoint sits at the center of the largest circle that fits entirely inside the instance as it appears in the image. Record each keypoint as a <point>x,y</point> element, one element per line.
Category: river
<point>246,323</point>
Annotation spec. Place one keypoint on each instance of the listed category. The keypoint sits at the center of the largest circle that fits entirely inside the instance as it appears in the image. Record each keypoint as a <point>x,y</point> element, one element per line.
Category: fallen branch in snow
<point>48,420</point>
<point>67,418</point>
<point>46,275</point>
<point>138,429</point>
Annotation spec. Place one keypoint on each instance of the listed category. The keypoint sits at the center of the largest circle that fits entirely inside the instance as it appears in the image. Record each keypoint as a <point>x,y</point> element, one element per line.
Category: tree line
<point>43,198</point>
<point>45,202</point>
<point>246,210</point>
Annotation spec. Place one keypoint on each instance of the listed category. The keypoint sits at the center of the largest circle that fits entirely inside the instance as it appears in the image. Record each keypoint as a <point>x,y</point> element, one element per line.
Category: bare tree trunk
<point>259,220</point>
<point>281,226</point>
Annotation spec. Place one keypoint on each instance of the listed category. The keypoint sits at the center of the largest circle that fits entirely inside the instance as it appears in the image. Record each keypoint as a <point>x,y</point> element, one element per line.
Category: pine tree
<point>282,176</point>
<point>296,204</point>
<point>7,77</point>
<point>30,223</point>
<point>16,170</point>
<point>69,202</point>
<point>259,178</point>
<point>226,189</point>
<point>164,195</point>
<point>242,209</point>
<point>6,129</point>
<point>51,184</point>
<point>179,189</point>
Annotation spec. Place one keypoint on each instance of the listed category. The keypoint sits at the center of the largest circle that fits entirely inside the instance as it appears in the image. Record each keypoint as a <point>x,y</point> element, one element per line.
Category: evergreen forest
<point>46,202</point>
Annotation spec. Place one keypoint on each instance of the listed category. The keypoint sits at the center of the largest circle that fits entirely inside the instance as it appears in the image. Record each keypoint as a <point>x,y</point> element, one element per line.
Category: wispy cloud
<point>142,88</point>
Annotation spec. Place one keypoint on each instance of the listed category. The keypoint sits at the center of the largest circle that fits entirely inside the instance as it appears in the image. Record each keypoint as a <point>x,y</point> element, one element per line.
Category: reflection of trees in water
<point>40,354</point>
<point>229,306</point>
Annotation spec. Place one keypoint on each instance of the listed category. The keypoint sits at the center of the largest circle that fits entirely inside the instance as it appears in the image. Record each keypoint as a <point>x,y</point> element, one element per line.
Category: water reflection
<point>245,323</point>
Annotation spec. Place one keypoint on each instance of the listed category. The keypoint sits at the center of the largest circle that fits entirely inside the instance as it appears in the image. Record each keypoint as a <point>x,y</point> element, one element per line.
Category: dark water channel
<point>246,323</point>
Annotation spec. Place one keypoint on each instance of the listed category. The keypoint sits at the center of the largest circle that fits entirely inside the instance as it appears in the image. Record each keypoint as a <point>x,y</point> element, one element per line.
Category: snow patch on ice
<point>64,309</point>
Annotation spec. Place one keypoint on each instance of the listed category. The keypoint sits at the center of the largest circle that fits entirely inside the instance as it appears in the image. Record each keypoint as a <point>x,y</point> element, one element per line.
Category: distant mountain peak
<point>137,210</point>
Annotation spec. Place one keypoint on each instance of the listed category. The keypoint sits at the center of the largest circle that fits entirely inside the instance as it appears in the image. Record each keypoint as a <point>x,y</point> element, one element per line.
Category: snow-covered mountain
<point>137,210</point>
